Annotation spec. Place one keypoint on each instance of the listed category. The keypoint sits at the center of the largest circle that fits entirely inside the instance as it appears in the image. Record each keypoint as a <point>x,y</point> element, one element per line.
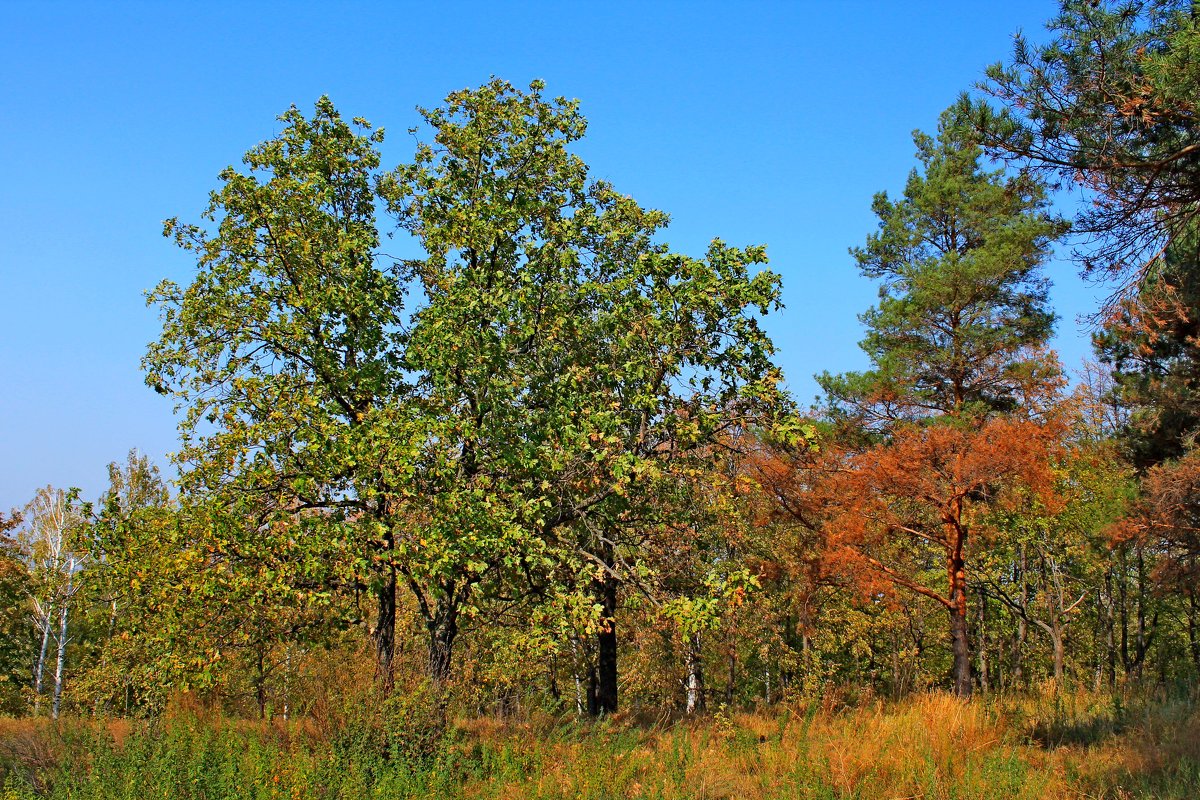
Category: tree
<point>954,405</point>
<point>1049,561</point>
<point>286,351</point>
<point>52,547</point>
<point>1165,521</point>
<point>1151,347</point>
<point>558,361</point>
<point>568,362</point>
<point>15,639</point>
<point>121,537</point>
<point>1109,105</point>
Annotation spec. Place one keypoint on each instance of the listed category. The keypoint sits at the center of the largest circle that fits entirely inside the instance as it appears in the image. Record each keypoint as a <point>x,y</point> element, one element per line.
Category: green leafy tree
<point>16,644</point>
<point>121,538</point>
<point>559,358</point>
<point>286,350</point>
<point>568,362</point>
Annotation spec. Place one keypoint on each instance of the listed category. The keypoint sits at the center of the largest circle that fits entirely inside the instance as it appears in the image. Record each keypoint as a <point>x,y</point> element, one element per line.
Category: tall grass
<point>930,746</point>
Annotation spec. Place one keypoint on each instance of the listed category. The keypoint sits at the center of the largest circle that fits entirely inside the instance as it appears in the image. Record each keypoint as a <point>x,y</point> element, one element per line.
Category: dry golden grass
<point>928,746</point>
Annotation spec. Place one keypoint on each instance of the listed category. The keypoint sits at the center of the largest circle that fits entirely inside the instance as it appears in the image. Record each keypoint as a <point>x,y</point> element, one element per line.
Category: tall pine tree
<point>959,372</point>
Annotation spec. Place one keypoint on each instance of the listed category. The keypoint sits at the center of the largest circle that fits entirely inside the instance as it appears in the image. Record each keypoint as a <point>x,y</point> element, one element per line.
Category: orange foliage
<point>1167,516</point>
<point>923,488</point>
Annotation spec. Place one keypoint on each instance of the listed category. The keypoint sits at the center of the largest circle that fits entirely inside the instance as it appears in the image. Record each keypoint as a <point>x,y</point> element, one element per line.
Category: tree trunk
<point>695,676</point>
<point>260,684</point>
<point>1123,595</point>
<point>1110,640</point>
<point>1143,641</point>
<point>1059,653</point>
<point>1193,630</point>
<point>606,648</point>
<point>287,682</point>
<point>552,683</point>
<point>959,643</point>
<point>731,686</point>
<point>385,633</point>
<point>60,665</point>
<point>983,650</point>
<point>1017,667</point>
<point>582,699</point>
<point>39,670</point>
<point>443,629</point>
<point>593,691</point>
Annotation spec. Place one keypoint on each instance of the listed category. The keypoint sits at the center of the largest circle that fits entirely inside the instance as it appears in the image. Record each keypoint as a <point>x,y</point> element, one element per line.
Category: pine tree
<point>960,372</point>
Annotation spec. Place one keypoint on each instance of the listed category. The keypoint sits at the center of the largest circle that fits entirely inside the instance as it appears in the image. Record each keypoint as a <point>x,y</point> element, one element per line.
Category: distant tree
<point>1048,561</point>
<point>963,310</point>
<point>119,551</point>
<point>1151,345</point>
<point>1164,523</point>
<point>15,636</point>
<point>53,546</point>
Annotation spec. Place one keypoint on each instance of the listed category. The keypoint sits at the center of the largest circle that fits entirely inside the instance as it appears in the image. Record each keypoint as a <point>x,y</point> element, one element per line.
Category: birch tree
<point>51,548</point>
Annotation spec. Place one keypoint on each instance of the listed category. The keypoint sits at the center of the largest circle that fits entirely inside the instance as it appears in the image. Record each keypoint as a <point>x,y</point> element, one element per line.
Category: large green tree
<point>286,352</point>
<point>559,361</point>
<point>567,360</point>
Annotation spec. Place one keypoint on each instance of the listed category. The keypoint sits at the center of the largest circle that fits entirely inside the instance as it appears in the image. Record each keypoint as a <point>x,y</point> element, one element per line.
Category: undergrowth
<point>929,746</point>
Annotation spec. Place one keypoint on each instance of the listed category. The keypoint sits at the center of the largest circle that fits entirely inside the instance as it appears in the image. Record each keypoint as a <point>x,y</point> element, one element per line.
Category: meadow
<point>1077,745</point>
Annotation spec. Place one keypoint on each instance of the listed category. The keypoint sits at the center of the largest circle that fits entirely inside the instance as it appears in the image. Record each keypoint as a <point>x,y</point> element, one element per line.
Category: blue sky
<point>757,122</point>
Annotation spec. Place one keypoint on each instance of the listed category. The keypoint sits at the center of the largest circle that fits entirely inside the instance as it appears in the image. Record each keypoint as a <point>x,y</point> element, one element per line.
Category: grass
<point>929,746</point>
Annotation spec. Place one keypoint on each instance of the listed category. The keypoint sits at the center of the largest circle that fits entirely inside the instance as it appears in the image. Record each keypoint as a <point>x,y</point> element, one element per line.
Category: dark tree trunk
<point>959,643</point>
<point>606,648</point>
<point>443,629</point>
<point>1123,608</point>
<point>260,685</point>
<point>1110,641</point>
<point>984,666</point>
<point>593,692</point>
<point>385,633</point>
<point>552,682</point>
<point>1022,631</point>
<point>1194,630</point>
<point>731,686</point>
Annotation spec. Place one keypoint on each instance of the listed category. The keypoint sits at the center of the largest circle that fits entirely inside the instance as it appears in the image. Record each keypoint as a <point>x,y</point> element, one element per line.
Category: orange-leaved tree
<point>957,405</point>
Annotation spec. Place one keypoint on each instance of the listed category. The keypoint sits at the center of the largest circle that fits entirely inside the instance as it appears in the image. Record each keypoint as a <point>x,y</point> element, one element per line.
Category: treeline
<point>549,461</point>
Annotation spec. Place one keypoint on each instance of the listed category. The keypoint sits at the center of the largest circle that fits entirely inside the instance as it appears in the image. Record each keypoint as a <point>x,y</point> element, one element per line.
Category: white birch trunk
<point>42,621</point>
<point>580,706</point>
<point>695,675</point>
<point>60,665</point>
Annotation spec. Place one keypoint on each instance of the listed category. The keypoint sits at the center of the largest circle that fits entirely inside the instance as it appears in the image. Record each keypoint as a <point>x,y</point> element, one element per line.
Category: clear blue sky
<point>757,122</point>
